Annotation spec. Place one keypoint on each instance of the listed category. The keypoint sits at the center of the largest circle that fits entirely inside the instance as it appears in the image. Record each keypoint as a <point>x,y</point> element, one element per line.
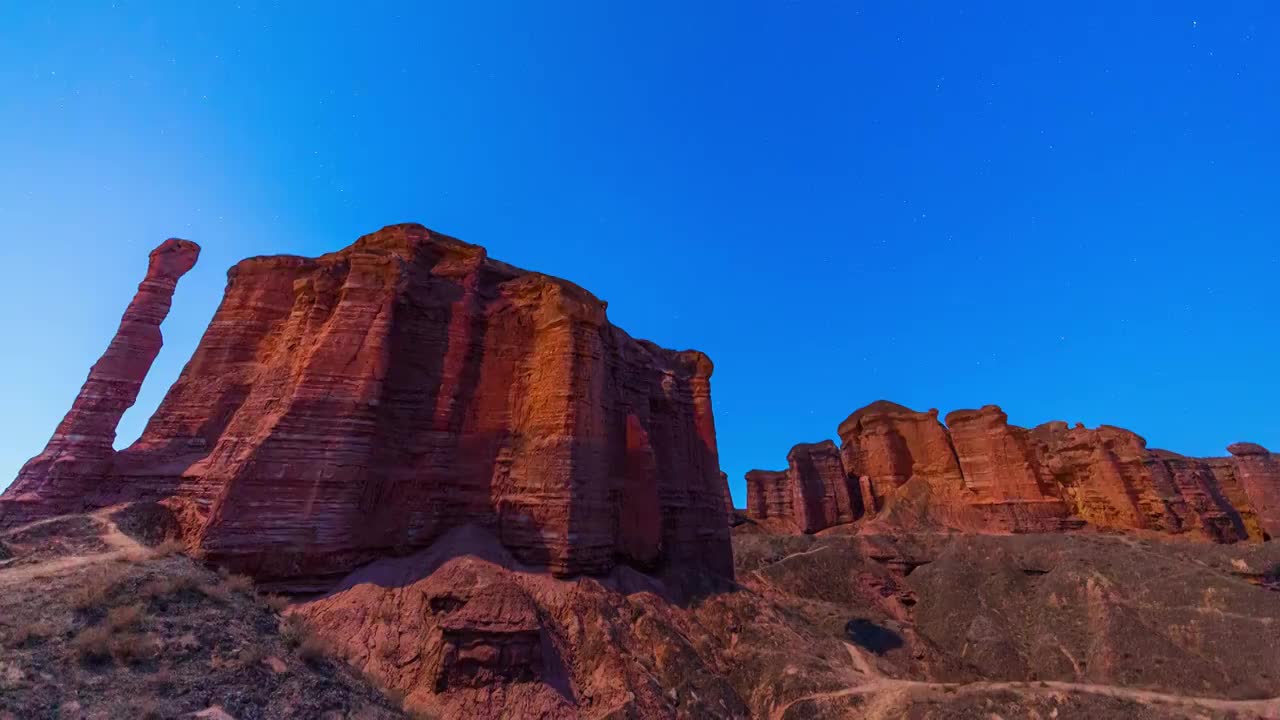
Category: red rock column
<point>79,454</point>
<point>892,444</point>
<point>821,485</point>
<point>714,549</point>
<point>728,499</point>
<point>1258,472</point>
<point>871,504</point>
<point>769,496</point>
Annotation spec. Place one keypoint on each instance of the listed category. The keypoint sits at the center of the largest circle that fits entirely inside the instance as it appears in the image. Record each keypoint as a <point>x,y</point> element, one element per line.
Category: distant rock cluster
<point>978,473</point>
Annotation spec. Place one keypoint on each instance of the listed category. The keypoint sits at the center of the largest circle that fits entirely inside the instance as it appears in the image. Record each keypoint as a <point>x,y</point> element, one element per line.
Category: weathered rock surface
<point>1112,480</point>
<point>463,629</point>
<point>812,494</point>
<point>770,496</point>
<point>1048,625</point>
<point>1004,487</point>
<point>825,497</point>
<point>978,473</point>
<point>67,476</point>
<point>1258,473</point>
<point>364,402</point>
<point>730,515</point>
<point>827,626</point>
<point>918,625</point>
<point>890,444</point>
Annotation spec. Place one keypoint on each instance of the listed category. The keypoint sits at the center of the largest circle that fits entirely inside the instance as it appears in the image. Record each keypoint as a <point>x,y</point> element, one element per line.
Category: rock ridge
<point>978,473</point>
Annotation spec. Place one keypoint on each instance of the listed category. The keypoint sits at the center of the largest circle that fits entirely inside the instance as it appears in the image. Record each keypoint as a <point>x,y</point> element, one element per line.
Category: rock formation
<point>979,473</point>
<point>770,496</point>
<point>66,477</point>
<point>1258,473</point>
<point>729,512</point>
<point>824,496</point>
<point>364,402</point>
<point>812,494</point>
<point>1004,487</point>
<point>890,444</point>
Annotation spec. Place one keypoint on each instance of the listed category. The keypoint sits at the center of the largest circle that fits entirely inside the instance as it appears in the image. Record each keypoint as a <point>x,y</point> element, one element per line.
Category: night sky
<point>1071,211</point>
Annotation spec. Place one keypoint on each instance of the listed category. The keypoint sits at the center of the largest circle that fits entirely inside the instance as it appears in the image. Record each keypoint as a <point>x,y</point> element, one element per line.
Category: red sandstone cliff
<point>366,401</point>
<point>979,473</point>
<point>1257,473</point>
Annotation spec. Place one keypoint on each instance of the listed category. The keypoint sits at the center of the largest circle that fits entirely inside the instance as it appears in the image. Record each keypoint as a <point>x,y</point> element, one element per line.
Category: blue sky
<point>1071,211</point>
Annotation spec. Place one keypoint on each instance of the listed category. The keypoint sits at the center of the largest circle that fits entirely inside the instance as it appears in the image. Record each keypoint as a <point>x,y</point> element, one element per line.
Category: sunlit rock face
<point>368,400</point>
<point>978,473</point>
<point>889,445</point>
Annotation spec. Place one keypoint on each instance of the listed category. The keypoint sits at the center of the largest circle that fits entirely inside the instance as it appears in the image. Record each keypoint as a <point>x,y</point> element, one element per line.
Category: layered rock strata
<point>67,476</point>
<point>364,402</point>
<point>979,473</point>
<point>729,513</point>
<point>823,493</point>
<point>770,496</point>
<point>1257,471</point>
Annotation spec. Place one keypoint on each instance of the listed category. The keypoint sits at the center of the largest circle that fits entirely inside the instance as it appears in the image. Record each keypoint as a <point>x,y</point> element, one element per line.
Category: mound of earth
<point>96,626</point>
<point>1053,625</point>
<point>917,625</point>
<point>828,626</point>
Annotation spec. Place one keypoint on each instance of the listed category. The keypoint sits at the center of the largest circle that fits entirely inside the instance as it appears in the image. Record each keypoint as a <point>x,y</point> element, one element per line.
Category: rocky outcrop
<point>461,630</point>
<point>824,496</point>
<point>885,445</point>
<point>770,496</point>
<point>978,473</point>
<point>366,401</point>
<point>1005,488</point>
<point>812,494</point>
<point>68,475</point>
<point>1258,473</point>
<point>730,515</point>
<point>890,444</point>
<point>1112,479</point>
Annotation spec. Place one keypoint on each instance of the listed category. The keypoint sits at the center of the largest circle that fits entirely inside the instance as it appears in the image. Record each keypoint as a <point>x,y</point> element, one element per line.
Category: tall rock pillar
<point>79,454</point>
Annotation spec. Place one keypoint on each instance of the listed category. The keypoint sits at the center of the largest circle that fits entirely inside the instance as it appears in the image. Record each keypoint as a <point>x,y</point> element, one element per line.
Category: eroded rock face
<point>1258,472</point>
<point>769,496</point>
<point>890,444</point>
<point>1113,480</point>
<point>824,496</point>
<point>68,476</point>
<point>827,626</point>
<point>978,473</point>
<point>1005,489</point>
<point>366,401</point>
<point>729,513</point>
<point>812,494</point>
<point>462,629</point>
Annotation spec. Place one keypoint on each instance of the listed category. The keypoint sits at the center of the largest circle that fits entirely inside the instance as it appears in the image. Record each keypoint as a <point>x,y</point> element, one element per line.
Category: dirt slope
<point>97,625</point>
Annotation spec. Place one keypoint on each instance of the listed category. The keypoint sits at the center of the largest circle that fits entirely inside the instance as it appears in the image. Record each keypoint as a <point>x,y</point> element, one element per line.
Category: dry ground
<point>97,625</point>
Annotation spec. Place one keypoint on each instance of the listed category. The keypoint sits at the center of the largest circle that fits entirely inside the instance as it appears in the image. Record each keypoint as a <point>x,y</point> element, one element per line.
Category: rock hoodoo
<point>68,475</point>
<point>978,473</point>
<point>366,401</point>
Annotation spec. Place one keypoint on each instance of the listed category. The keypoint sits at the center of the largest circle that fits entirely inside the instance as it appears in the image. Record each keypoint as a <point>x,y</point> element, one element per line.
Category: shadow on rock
<point>871,636</point>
